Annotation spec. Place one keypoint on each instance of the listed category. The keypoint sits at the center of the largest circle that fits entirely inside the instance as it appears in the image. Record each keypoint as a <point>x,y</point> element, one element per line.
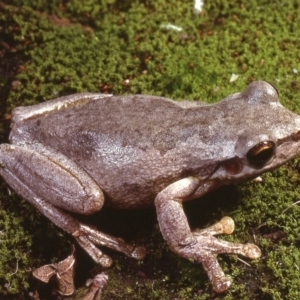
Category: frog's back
<point>130,145</point>
<point>128,117</point>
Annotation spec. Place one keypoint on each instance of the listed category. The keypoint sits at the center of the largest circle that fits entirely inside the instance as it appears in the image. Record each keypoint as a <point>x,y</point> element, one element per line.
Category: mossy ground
<point>52,48</point>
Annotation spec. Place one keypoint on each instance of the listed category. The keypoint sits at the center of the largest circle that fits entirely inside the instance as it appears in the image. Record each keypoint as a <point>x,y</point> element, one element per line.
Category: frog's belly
<point>132,191</point>
<point>132,185</point>
<point>137,195</point>
<point>131,172</point>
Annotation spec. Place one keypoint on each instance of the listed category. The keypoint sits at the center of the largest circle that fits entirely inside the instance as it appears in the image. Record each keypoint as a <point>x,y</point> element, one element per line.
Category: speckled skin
<point>77,152</point>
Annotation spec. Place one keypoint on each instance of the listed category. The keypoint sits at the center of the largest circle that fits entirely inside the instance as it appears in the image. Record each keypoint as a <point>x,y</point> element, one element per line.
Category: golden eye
<point>261,153</point>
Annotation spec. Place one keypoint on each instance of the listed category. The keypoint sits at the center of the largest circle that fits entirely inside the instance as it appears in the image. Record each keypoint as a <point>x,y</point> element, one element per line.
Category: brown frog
<point>79,152</point>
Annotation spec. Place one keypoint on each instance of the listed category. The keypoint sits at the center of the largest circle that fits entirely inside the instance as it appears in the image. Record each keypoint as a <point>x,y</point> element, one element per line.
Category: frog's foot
<point>63,272</point>
<point>205,249</point>
<point>96,286</point>
<point>88,238</point>
<point>226,226</point>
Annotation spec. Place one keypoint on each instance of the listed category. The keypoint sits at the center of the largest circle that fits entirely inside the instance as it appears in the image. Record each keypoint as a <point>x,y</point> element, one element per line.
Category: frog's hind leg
<point>55,185</point>
<point>86,235</point>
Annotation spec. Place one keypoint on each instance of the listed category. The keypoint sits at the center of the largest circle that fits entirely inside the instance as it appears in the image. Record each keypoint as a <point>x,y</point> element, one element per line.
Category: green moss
<point>15,246</point>
<point>53,48</point>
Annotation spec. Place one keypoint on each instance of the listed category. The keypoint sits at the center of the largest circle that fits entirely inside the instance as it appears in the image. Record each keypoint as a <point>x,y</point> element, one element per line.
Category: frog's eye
<point>273,86</point>
<point>261,153</point>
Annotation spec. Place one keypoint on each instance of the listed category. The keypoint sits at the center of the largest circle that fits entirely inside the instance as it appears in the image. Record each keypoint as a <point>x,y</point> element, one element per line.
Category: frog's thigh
<point>44,181</point>
<point>51,176</point>
<point>199,246</point>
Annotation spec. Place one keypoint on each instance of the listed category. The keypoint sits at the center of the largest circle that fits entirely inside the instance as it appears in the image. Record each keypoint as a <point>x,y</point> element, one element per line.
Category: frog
<point>74,154</point>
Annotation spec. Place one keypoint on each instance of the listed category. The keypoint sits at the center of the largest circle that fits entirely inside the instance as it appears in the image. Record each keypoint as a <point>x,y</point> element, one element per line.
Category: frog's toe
<point>222,284</point>
<point>251,251</point>
<point>95,253</point>
<point>88,237</point>
<point>224,226</point>
<point>96,286</point>
<point>227,225</point>
<point>139,252</point>
<point>105,261</point>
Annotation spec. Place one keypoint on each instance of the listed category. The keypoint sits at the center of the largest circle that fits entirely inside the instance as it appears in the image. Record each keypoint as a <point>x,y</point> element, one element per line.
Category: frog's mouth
<point>286,149</point>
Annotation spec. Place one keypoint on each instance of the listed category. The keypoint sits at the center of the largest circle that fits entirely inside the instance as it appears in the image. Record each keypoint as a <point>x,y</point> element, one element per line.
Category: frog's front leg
<point>201,245</point>
<point>55,185</point>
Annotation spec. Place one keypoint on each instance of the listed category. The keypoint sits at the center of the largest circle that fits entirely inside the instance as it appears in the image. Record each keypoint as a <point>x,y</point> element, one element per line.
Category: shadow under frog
<point>79,152</point>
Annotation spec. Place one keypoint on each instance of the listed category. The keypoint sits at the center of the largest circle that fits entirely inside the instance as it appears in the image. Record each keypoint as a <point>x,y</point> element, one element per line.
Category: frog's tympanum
<point>79,152</point>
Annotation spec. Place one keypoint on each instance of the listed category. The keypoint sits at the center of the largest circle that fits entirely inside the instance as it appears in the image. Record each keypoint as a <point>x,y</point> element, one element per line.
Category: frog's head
<point>267,134</point>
